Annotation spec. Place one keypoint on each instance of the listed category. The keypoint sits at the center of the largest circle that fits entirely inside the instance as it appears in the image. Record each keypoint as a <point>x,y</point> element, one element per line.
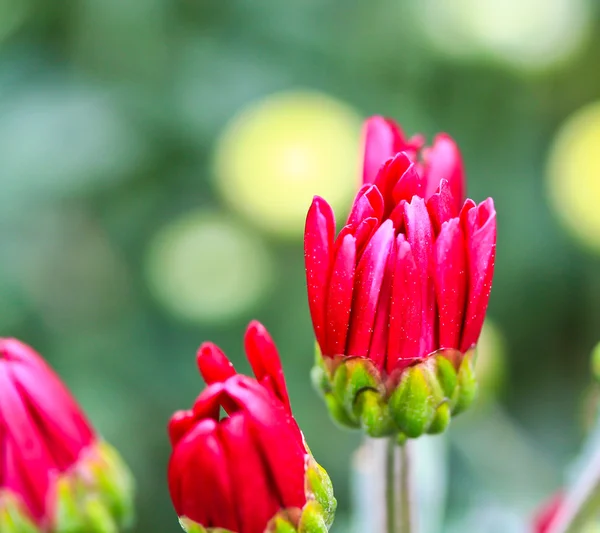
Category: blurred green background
<point>157,158</point>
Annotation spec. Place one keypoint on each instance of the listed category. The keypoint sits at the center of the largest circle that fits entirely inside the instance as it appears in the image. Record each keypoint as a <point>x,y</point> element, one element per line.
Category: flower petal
<point>265,362</point>
<point>419,234</point>
<point>444,161</point>
<point>213,364</point>
<point>380,139</point>
<point>379,340</point>
<point>450,282</point>
<point>367,204</point>
<point>256,501</point>
<point>411,183</point>
<point>318,251</point>
<point>481,253</point>
<point>441,206</point>
<point>339,297</point>
<point>405,311</point>
<point>369,277</point>
<point>271,424</point>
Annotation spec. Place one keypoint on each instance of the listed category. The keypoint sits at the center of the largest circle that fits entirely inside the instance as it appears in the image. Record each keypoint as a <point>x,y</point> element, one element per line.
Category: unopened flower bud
<point>56,475</point>
<point>399,297</point>
<point>249,471</point>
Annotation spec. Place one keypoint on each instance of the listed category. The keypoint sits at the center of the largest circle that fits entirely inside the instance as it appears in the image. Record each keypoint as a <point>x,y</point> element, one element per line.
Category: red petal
<point>29,469</point>
<point>213,364</point>
<point>318,251</point>
<point>264,360</point>
<point>339,297</point>
<point>180,423</point>
<point>380,138</point>
<point>379,341</point>
<point>59,419</point>
<point>199,479</point>
<point>451,282</point>
<point>278,436</point>
<point>208,403</point>
<point>369,277</point>
<point>405,311</point>
<point>389,175</point>
<point>443,161</point>
<point>481,251</point>
<point>419,234</point>
<point>367,204</point>
<point>441,206</point>
<point>256,500</point>
<point>410,184</point>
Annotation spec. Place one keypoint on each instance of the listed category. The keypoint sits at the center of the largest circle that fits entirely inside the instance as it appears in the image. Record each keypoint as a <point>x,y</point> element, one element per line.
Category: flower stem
<point>383,487</point>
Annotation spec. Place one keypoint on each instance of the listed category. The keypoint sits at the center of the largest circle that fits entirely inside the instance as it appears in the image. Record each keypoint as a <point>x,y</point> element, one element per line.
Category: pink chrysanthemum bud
<point>405,283</point>
<point>250,471</point>
<point>56,475</point>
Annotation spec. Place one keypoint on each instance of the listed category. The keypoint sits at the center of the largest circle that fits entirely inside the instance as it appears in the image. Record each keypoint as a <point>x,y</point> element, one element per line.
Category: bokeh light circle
<point>574,175</point>
<point>528,34</point>
<point>278,153</point>
<point>203,267</point>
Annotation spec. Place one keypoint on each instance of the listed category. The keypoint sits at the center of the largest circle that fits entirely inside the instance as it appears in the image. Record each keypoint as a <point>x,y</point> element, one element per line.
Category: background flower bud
<point>57,476</point>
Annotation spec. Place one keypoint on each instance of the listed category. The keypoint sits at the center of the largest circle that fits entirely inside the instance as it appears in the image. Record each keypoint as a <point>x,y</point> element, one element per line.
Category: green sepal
<point>374,415</point>
<point>338,413</point>
<point>319,487</point>
<point>96,495</point>
<point>312,519</point>
<point>192,527</point>
<point>318,373</point>
<point>99,517</point>
<point>441,420</point>
<point>412,404</point>
<point>115,483</point>
<point>281,525</point>
<point>446,375</point>
<point>69,517</point>
<point>466,390</point>
<point>13,516</point>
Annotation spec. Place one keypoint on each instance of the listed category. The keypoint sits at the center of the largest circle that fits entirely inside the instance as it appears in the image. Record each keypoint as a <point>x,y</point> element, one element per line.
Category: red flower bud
<point>411,271</point>
<point>47,446</point>
<point>242,471</point>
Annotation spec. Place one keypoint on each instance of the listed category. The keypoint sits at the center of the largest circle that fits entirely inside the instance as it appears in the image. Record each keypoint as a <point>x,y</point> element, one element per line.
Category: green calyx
<point>14,518</point>
<point>94,496</point>
<point>421,400</point>
<point>315,517</point>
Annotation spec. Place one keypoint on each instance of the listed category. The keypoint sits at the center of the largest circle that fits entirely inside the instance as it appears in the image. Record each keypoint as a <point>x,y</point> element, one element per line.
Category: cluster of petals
<point>411,271</point>
<point>43,432</point>
<point>238,471</point>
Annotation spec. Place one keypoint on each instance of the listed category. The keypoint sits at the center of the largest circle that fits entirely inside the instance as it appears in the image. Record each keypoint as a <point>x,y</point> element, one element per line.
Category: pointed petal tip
<point>213,364</point>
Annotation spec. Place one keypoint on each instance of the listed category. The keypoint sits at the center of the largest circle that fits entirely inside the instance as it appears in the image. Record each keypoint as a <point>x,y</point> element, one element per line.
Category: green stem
<point>405,490</point>
<point>391,486</point>
<point>383,487</point>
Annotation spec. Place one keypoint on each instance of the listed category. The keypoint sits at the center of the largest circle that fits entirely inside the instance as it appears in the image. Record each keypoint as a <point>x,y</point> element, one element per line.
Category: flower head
<point>250,470</point>
<point>47,447</point>
<point>409,275</point>
<point>411,270</point>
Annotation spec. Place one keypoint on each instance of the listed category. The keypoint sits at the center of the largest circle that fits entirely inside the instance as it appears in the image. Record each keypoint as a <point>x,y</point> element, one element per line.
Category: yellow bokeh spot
<point>574,175</point>
<point>203,267</point>
<point>278,153</point>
